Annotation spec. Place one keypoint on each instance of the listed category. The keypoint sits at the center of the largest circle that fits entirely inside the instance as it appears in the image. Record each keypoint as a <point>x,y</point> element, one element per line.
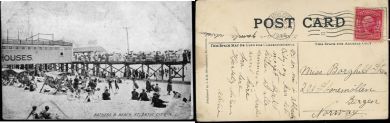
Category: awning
<point>18,70</point>
<point>12,71</point>
<point>4,69</point>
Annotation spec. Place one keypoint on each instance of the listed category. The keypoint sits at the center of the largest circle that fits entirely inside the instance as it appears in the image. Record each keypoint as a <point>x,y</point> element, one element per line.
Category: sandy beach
<point>17,103</point>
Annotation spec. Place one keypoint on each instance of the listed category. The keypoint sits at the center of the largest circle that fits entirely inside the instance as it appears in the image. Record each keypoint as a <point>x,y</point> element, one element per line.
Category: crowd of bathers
<point>74,86</point>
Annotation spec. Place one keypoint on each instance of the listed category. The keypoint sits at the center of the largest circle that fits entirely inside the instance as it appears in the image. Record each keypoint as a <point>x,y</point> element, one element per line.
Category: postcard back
<point>291,60</point>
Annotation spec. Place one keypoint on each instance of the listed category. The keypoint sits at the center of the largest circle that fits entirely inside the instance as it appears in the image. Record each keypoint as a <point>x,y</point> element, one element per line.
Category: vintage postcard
<point>291,60</point>
<point>96,60</point>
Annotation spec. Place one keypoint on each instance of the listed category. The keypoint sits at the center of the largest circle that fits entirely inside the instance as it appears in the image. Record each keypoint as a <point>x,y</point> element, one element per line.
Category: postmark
<point>284,32</point>
<point>368,24</point>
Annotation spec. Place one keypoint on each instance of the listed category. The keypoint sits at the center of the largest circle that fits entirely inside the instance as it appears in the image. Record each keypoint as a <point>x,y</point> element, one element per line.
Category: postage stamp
<point>368,24</point>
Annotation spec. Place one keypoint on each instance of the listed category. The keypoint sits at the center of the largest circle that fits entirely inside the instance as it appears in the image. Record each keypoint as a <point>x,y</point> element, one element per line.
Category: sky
<point>152,25</point>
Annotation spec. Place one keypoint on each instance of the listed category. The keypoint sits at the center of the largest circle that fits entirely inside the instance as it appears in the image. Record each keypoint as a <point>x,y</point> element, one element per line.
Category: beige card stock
<point>291,59</point>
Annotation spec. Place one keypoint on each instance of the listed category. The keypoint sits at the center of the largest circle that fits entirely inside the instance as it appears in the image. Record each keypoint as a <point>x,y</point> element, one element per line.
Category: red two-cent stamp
<point>368,24</point>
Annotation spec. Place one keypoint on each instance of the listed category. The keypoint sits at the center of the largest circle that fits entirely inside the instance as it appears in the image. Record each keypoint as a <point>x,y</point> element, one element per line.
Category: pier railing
<point>35,42</point>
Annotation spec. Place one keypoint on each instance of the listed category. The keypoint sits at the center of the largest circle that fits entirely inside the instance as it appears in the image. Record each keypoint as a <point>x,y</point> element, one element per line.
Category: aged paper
<point>291,59</point>
<point>96,60</point>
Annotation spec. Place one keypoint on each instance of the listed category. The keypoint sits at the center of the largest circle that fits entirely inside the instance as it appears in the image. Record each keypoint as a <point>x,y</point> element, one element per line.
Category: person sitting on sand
<point>106,95</point>
<point>143,96</point>
<point>157,102</point>
<point>34,113</point>
<point>176,94</point>
<point>156,88</point>
<point>185,100</point>
<point>98,94</point>
<point>134,95</point>
<point>92,84</point>
<point>32,86</point>
<point>45,114</point>
<point>152,87</point>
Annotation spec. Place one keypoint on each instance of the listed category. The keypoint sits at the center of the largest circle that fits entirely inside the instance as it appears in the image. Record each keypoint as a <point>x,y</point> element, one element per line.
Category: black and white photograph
<point>72,60</point>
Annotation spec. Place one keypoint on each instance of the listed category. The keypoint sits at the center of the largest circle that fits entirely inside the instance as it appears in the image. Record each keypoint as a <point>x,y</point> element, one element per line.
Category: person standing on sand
<point>76,86</point>
<point>89,91</point>
<point>135,85</point>
<point>148,86</point>
<point>109,83</point>
<point>169,86</point>
<point>116,85</point>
